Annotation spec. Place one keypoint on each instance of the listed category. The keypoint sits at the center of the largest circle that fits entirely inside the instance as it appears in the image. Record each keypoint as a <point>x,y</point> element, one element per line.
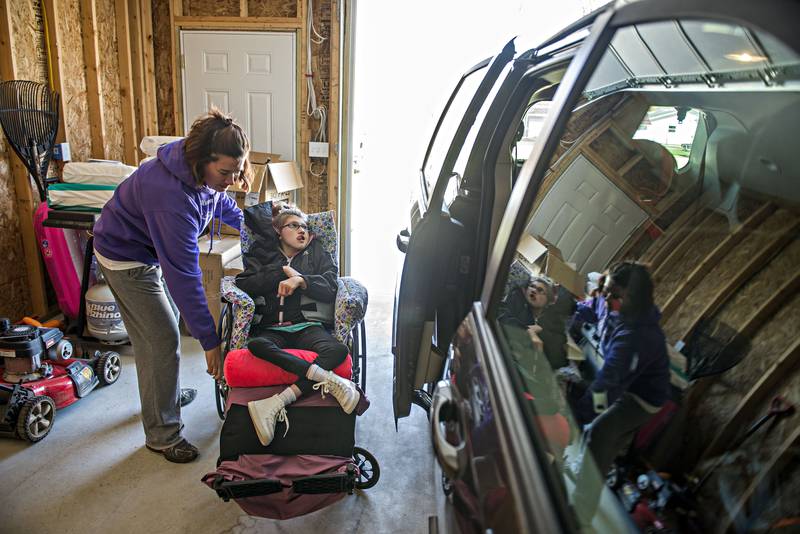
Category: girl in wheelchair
<point>296,278</point>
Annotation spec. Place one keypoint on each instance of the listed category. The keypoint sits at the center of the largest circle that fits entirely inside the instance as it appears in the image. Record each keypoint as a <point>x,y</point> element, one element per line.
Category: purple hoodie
<point>155,217</point>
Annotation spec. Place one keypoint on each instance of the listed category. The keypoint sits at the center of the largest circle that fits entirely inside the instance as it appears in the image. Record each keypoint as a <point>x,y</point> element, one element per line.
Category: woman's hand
<point>214,363</point>
<point>288,286</point>
<point>277,206</point>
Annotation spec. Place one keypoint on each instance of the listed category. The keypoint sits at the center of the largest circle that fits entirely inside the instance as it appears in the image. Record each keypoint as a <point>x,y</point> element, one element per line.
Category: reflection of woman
<point>532,307</point>
<point>150,226</point>
<point>631,386</point>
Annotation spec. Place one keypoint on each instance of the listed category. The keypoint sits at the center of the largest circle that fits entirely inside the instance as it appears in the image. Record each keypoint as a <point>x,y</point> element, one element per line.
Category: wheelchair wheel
<point>225,331</point>
<point>368,469</point>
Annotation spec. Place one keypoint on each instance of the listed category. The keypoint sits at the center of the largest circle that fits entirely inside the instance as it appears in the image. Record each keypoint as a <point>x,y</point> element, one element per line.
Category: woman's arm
<point>174,236</point>
<point>228,211</point>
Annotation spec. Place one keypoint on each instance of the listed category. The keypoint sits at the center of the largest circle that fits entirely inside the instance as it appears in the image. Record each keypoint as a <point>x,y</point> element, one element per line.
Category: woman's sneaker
<point>180,453</point>
<point>343,390</point>
<point>265,413</point>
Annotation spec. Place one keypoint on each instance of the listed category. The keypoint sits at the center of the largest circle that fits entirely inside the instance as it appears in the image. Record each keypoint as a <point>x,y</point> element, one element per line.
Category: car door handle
<point>402,241</point>
<point>452,458</point>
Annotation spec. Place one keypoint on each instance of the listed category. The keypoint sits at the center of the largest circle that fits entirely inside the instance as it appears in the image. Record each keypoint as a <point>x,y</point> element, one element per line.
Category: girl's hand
<point>533,332</point>
<point>288,286</point>
<point>290,271</point>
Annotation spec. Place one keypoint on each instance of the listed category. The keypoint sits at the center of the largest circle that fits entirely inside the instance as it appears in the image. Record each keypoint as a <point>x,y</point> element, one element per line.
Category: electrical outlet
<point>317,149</point>
<point>61,152</point>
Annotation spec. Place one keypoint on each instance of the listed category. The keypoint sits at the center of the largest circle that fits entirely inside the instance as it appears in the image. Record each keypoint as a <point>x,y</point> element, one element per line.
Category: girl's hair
<point>211,136</point>
<point>548,284</point>
<point>635,278</point>
<point>285,213</point>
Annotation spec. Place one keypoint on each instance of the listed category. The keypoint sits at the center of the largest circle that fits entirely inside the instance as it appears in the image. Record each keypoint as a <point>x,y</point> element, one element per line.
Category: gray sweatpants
<point>151,319</point>
<point>605,438</point>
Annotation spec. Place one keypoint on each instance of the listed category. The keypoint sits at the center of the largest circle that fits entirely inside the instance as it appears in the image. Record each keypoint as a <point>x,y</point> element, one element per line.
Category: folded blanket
<point>82,197</point>
<point>150,143</point>
<point>96,173</point>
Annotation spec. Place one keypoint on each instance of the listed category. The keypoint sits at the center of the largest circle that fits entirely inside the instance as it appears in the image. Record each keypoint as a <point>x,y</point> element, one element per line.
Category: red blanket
<point>243,370</point>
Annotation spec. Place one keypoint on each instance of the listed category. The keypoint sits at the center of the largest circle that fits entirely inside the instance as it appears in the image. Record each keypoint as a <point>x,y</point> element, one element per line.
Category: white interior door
<point>250,75</point>
<point>586,216</point>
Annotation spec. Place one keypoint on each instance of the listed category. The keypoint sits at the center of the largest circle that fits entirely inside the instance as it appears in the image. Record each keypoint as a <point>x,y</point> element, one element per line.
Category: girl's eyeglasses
<point>295,226</point>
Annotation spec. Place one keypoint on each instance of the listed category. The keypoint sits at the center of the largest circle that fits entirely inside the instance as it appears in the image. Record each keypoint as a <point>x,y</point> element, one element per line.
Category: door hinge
<point>183,61</point>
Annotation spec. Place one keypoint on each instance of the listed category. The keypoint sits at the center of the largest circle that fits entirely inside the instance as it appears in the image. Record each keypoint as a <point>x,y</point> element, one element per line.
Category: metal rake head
<point>29,118</point>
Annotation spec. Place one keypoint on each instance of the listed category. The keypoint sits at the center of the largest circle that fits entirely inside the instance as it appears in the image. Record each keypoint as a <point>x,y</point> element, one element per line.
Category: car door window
<point>659,258</point>
<point>448,124</point>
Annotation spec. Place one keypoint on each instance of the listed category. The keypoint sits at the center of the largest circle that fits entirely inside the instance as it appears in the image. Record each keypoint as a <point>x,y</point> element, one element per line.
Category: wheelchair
<point>238,310</point>
<point>273,488</point>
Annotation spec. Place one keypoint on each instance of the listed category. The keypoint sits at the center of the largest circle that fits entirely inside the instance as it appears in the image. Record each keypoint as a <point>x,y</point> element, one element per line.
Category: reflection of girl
<point>631,386</point>
<point>532,307</point>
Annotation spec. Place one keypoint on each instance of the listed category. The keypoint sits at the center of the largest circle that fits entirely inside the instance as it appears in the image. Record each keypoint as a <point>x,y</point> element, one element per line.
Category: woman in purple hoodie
<point>630,388</point>
<point>146,246</point>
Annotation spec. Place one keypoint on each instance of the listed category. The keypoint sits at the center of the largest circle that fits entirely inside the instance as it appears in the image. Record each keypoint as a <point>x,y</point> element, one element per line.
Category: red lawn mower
<point>40,376</point>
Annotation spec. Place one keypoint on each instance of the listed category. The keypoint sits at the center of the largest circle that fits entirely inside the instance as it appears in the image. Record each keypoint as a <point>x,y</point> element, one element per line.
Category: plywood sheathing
<point>217,8</point>
<point>16,300</point>
<point>29,49</point>
<point>691,252</point>
<point>272,8</point>
<point>163,67</point>
<point>748,251</point>
<point>320,64</point>
<point>109,78</point>
<point>73,79</point>
<point>22,56</point>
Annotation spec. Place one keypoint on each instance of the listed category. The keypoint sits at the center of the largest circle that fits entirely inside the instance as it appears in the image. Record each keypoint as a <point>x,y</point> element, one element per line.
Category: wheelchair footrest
<point>333,483</point>
<point>239,489</point>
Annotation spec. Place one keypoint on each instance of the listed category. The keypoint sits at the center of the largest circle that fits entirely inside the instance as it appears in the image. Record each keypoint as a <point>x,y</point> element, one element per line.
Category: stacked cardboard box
<point>539,256</point>
<point>223,260</point>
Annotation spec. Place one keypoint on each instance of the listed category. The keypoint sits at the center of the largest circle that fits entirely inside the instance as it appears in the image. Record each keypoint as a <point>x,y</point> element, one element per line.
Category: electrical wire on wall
<point>318,112</point>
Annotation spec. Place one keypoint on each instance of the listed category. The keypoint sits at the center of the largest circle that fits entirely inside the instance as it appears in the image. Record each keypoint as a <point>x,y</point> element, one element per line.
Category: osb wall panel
<point>13,276</point>
<point>109,79</point>
<point>204,8</point>
<point>29,52</point>
<point>272,8</point>
<point>740,306</point>
<point>725,270</point>
<point>753,456</point>
<point>320,65</point>
<point>30,61</point>
<point>73,79</point>
<point>163,66</point>
<point>715,230</point>
<point>766,346</point>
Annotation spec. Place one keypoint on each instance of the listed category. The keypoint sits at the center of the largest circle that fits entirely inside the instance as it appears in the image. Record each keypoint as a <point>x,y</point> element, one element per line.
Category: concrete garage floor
<point>93,473</point>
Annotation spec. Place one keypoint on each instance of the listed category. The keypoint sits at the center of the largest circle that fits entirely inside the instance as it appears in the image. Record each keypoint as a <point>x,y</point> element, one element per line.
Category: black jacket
<point>264,264</point>
<point>516,311</point>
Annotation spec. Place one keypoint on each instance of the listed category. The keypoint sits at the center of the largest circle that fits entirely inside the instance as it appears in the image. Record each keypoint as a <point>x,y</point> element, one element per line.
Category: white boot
<point>265,413</point>
<point>343,390</point>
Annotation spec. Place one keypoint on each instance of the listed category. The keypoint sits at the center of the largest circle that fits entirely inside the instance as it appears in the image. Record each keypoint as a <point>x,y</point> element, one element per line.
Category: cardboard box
<point>213,264</point>
<point>543,257</point>
<point>258,189</point>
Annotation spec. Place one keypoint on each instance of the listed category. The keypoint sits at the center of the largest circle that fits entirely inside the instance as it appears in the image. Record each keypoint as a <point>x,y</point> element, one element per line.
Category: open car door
<point>438,252</point>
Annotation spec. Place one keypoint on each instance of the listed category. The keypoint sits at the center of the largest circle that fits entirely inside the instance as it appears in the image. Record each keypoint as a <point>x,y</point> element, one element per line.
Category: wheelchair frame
<point>356,343</point>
